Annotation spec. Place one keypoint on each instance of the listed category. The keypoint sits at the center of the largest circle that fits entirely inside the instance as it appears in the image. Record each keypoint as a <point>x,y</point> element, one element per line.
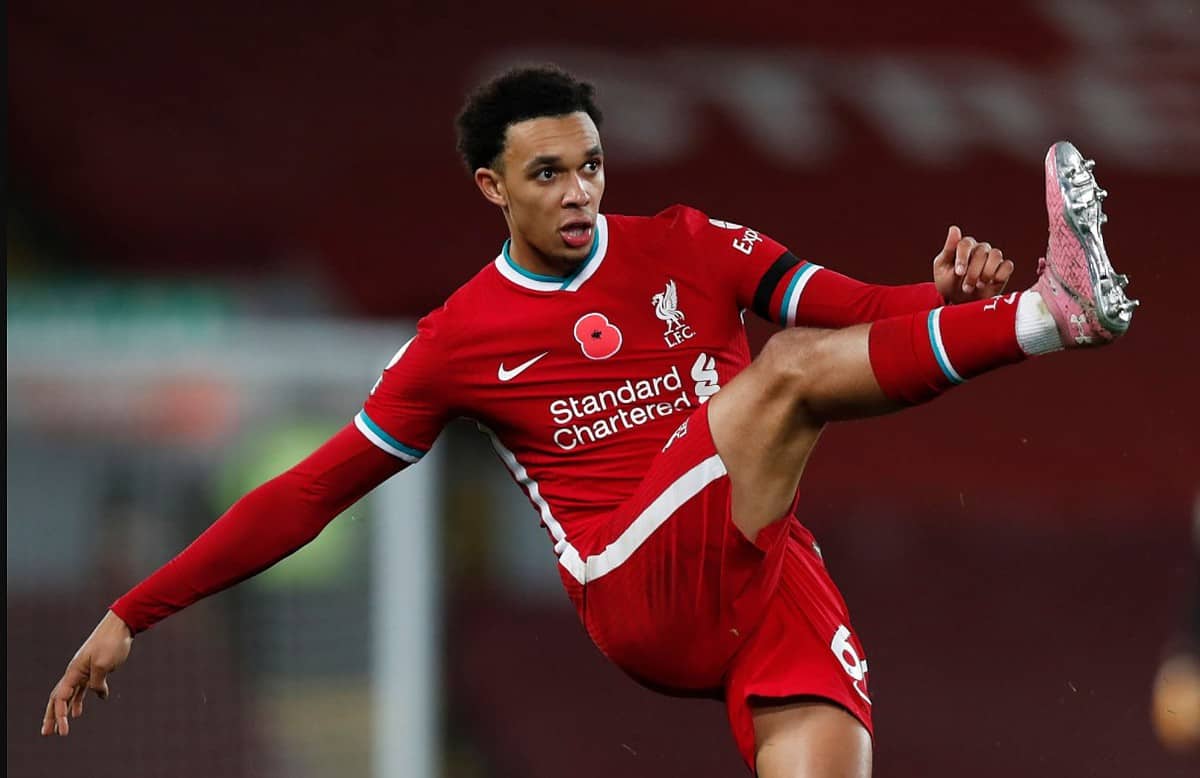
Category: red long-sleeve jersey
<point>579,382</point>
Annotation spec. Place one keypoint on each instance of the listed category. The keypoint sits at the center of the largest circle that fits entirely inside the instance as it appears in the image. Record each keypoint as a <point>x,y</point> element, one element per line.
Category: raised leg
<point>767,420</point>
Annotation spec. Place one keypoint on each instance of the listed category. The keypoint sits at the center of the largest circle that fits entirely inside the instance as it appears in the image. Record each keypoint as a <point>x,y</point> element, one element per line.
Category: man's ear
<point>491,184</point>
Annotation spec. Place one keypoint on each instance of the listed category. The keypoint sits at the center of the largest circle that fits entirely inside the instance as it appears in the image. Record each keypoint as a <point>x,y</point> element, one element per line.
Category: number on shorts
<point>852,663</point>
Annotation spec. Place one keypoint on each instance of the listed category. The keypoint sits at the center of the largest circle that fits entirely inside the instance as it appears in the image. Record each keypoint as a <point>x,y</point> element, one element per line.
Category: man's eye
<point>593,165</point>
<point>545,174</point>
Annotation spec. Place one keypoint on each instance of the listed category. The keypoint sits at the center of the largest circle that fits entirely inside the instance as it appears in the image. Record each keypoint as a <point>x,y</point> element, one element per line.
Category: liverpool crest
<point>666,307</point>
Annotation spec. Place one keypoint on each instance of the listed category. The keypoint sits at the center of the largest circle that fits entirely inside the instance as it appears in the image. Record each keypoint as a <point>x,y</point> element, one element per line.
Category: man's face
<point>550,183</point>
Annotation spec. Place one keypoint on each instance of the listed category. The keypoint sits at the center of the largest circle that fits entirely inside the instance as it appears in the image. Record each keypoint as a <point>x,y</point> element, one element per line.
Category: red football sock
<point>918,356</point>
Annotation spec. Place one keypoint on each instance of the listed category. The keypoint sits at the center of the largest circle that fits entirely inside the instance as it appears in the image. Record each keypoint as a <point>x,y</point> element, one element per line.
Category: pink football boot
<point>1084,294</point>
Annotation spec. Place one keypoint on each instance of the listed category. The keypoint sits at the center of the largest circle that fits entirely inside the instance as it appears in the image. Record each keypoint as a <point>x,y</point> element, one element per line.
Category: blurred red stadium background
<point>1016,555</point>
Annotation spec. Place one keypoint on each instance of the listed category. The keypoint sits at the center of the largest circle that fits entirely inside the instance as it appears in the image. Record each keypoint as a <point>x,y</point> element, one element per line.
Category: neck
<point>522,254</point>
<point>525,256</point>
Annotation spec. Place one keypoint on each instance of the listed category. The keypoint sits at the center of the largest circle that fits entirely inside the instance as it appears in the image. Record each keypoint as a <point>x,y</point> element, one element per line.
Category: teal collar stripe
<point>561,280</point>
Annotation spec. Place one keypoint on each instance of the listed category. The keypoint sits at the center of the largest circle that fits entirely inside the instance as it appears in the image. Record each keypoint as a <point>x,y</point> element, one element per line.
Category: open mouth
<point>577,234</point>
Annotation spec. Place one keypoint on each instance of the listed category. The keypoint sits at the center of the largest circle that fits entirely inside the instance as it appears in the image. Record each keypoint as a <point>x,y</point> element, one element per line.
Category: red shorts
<point>679,599</point>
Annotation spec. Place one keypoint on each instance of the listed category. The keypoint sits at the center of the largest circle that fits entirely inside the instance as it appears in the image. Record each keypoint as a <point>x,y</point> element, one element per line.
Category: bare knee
<point>813,739</point>
<point>793,362</point>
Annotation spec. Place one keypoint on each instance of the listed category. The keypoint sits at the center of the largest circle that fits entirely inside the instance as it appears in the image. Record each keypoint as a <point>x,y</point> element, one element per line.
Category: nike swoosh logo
<point>508,375</point>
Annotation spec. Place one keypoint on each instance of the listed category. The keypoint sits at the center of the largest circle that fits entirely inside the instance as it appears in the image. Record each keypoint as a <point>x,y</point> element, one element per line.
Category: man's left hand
<point>966,270</point>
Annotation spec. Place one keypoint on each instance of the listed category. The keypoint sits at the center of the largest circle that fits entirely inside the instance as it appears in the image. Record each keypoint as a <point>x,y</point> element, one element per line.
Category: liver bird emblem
<point>666,307</point>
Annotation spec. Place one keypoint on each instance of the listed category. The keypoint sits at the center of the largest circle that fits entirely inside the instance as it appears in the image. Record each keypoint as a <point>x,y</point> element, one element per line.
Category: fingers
<point>48,718</point>
<point>976,262</point>
<point>962,254</point>
<point>60,711</point>
<point>986,267</point>
<point>1002,273</point>
<point>943,261</point>
<point>66,700</point>
<point>77,702</point>
<point>953,236</point>
<point>55,720</point>
<point>996,272</point>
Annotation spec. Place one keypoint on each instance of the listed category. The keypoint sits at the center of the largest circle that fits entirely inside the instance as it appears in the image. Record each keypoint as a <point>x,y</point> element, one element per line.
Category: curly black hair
<point>514,96</point>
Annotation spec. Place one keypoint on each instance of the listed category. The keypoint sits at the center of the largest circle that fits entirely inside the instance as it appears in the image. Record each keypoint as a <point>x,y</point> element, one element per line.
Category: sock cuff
<point>918,356</point>
<point>1037,332</point>
<point>938,346</point>
<point>902,358</point>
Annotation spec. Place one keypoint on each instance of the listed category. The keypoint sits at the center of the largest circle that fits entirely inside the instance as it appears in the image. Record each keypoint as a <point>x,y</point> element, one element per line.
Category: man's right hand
<point>104,651</point>
<point>966,270</point>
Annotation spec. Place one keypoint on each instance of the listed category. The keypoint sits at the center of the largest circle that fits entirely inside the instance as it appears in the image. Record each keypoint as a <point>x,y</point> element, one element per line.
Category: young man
<point>607,360</point>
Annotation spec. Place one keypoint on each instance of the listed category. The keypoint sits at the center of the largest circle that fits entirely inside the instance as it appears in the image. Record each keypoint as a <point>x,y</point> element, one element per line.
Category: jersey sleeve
<point>409,404</point>
<point>261,528</point>
<point>778,286</point>
<point>739,258</point>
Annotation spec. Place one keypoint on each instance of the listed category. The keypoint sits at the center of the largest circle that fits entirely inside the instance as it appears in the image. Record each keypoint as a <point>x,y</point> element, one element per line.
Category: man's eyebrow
<point>550,160</point>
<point>544,159</point>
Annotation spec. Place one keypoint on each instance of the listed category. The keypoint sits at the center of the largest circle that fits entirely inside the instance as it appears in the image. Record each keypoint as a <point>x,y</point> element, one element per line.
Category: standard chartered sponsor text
<point>627,405</point>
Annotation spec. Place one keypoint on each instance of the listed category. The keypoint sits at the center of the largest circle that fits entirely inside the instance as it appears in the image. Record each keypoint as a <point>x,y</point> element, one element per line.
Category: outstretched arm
<point>266,525</point>
<point>782,288</point>
<point>808,295</point>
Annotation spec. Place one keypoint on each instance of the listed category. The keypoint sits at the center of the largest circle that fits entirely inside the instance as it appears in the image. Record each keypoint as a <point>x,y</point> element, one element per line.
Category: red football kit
<point>592,389</point>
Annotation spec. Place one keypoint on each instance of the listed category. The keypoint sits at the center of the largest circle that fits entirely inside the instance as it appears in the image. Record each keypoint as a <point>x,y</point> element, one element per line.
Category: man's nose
<point>577,192</point>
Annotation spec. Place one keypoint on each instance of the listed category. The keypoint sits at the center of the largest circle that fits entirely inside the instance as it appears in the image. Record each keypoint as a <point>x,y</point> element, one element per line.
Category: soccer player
<point>606,358</point>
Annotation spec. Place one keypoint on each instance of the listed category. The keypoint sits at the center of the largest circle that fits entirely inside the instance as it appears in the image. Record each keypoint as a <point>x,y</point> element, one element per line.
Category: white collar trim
<point>568,284</point>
